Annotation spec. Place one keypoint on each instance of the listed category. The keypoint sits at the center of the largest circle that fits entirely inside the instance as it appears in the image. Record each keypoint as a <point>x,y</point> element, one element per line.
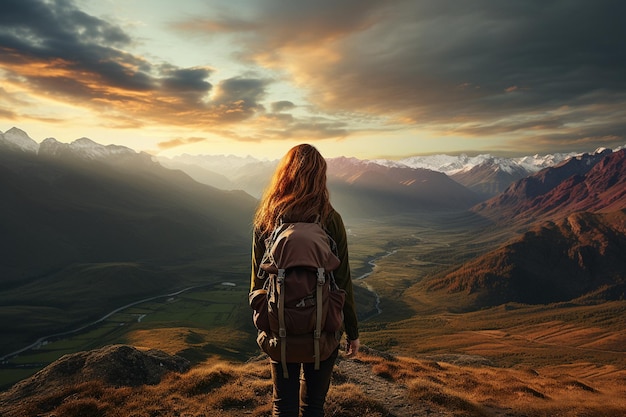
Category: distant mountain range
<point>584,183</point>
<point>87,204</point>
<point>572,219</point>
<point>485,175</point>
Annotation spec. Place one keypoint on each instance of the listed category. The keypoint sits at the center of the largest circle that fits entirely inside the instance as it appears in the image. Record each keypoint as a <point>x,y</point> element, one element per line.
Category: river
<point>42,340</point>
<point>372,264</point>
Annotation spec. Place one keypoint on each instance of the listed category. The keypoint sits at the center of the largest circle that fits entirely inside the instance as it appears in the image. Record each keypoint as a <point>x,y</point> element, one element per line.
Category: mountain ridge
<point>484,174</point>
<point>572,224</point>
<point>578,184</point>
<point>578,257</point>
<point>80,224</point>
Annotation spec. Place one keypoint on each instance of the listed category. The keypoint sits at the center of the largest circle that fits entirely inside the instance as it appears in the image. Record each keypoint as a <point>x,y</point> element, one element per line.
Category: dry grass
<point>576,390</point>
<point>452,390</point>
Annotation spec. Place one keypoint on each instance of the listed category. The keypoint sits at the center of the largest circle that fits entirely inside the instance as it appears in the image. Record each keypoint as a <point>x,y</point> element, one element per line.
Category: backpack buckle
<point>321,278</point>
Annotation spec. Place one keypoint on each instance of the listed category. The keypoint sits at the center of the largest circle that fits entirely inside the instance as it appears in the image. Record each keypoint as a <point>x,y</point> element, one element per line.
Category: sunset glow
<point>357,78</point>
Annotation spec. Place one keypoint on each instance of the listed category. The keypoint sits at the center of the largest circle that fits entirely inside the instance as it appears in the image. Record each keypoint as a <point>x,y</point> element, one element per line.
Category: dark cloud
<point>187,79</point>
<point>546,70</point>
<point>36,31</point>
<point>58,50</point>
<point>436,62</point>
<point>239,98</point>
<point>283,105</point>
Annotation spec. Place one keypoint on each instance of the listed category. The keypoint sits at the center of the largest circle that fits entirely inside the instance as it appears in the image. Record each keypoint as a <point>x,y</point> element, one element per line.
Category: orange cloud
<point>179,142</point>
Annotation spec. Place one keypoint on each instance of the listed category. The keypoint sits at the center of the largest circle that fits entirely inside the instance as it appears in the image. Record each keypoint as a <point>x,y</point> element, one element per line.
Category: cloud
<point>283,105</point>
<point>480,68</point>
<point>56,50</point>
<point>179,142</point>
<point>7,114</point>
<point>404,60</point>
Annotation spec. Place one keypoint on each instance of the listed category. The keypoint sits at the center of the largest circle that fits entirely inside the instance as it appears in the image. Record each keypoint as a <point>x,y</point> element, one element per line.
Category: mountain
<point>491,177</point>
<point>485,175</point>
<point>589,182</point>
<point>364,188</point>
<point>580,256</point>
<point>86,202</point>
<point>17,139</point>
<point>86,227</point>
<point>358,188</point>
<point>450,164</point>
<point>574,215</point>
<point>227,172</point>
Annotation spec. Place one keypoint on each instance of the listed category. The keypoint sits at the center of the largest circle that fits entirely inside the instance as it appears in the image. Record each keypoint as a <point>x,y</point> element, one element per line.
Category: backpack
<point>299,310</point>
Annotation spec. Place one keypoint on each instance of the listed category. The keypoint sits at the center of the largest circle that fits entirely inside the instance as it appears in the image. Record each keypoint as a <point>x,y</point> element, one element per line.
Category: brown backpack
<point>299,310</point>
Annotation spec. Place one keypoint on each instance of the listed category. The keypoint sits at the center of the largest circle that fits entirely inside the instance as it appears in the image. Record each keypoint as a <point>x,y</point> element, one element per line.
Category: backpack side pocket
<point>334,317</point>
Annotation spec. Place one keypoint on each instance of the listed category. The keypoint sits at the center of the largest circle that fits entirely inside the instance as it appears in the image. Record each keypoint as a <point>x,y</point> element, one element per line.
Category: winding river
<point>42,340</point>
<point>372,264</point>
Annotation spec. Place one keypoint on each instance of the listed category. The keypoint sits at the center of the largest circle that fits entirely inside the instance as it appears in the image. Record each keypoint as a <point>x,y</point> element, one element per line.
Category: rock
<point>115,365</point>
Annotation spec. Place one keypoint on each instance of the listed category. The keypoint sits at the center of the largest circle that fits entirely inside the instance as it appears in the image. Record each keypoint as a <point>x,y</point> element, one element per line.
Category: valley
<point>531,352</point>
<point>526,287</point>
<point>214,321</point>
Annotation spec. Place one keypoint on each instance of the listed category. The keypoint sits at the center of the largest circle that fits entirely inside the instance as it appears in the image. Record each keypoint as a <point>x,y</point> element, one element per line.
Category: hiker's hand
<point>352,348</point>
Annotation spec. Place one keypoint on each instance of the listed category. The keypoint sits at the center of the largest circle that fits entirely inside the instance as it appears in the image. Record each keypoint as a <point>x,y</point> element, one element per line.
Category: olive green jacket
<point>336,229</point>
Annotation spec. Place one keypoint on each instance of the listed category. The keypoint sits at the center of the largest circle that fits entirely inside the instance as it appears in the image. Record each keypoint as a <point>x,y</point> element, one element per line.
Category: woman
<point>298,193</point>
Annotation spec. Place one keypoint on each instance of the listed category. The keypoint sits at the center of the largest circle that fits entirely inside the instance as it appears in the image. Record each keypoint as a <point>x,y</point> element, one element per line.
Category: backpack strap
<point>282,330</point>
<point>321,279</point>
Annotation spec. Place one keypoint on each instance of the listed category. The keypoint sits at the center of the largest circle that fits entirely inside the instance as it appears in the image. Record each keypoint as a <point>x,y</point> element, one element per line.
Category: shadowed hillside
<point>69,209</point>
<point>86,228</point>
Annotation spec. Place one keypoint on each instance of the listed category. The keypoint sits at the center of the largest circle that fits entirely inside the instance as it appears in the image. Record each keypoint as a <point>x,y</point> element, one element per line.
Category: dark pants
<point>306,392</point>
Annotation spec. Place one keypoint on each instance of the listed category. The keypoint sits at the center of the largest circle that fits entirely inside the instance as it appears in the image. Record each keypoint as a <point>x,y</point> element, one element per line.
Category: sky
<point>362,78</point>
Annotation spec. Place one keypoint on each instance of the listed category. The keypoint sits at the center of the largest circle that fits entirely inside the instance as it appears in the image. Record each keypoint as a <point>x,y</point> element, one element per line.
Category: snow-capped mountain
<point>451,165</point>
<point>485,174</point>
<point>17,138</point>
<point>85,148</point>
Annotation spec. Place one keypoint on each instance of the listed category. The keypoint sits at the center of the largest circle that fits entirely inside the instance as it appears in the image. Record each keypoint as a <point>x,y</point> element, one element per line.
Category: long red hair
<point>297,192</point>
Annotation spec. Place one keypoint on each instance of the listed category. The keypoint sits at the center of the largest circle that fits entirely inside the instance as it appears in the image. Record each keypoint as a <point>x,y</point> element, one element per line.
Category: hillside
<point>581,256</point>
<point>585,183</point>
<point>116,207</point>
<point>124,381</point>
<point>87,228</point>
<point>572,218</point>
<point>369,189</point>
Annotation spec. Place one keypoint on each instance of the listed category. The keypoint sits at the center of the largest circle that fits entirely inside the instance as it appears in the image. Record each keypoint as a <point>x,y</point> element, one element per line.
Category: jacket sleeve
<point>258,250</point>
<point>337,231</point>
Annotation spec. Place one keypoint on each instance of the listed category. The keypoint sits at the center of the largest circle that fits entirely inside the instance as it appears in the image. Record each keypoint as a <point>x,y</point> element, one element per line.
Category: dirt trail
<point>391,394</point>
